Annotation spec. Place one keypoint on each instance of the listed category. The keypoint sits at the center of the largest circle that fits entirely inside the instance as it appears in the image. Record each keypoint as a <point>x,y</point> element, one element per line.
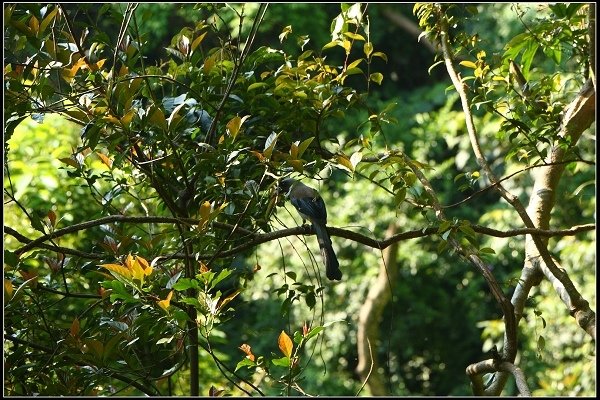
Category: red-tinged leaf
<point>214,392</point>
<point>74,331</point>
<point>305,329</point>
<point>69,161</point>
<point>52,217</point>
<point>285,344</point>
<point>31,277</point>
<point>203,268</point>
<point>298,165</point>
<point>248,351</point>
<point>294,150</point>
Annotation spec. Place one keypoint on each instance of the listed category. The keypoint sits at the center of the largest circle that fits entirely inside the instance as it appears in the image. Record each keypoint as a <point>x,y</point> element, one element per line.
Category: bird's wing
<point>311,207</point>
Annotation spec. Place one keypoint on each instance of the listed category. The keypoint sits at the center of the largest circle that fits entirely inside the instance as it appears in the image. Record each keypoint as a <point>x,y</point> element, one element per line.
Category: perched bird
<point>311,207</point>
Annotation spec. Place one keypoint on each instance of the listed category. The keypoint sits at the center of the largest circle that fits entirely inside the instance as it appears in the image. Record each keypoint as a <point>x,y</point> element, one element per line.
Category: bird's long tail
<point>332,266</point>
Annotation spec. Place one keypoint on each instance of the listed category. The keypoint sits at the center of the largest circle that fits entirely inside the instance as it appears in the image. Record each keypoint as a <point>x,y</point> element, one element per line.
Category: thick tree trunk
<point>369,320</point>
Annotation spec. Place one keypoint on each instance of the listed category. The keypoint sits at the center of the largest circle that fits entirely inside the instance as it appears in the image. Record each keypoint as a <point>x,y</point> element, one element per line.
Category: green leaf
<point>444,226</point>
<point>10,258</point>
<point>245,363</point>
<point>304,145</point>
<point>541,343</point>
<point>281,362</point>
<point>400,196</point>
<point>314,332</point>
<point>185,284</point>
<point>487,250</point>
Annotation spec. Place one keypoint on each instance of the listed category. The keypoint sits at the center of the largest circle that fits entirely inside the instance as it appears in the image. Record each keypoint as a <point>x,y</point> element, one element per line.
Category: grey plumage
<point>311,207</point>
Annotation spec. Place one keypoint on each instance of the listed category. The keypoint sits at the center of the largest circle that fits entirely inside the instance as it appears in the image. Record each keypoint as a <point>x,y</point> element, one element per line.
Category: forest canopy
<point>149,248</point>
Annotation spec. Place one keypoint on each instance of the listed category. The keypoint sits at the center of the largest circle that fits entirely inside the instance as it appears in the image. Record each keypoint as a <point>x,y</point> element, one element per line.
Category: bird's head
<point>285,184</point>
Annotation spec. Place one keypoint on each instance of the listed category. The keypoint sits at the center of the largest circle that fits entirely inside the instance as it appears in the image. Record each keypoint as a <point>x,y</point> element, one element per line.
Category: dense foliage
<point>148,251</point>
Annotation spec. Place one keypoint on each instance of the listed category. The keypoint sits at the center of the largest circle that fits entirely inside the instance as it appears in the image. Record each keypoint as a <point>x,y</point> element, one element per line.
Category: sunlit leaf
<point>8,288</point>
<point>117,269</point>
<point>282,362</point>
<point>107,161</point>
<point>248,351</point>
<point>166,303</point>
<point>468,64</point>
<point>198,40</point>
<point>244,363</point>
<point>285,344</point>
<point>345,162</point>
<point>368,49</point>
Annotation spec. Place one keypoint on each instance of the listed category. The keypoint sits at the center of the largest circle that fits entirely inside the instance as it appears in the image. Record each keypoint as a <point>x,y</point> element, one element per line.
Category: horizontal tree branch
<point>254,239</point>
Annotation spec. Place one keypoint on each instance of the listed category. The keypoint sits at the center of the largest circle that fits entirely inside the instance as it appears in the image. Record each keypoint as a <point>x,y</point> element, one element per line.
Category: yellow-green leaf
<point>157,117</point>
<point>304,145</point>
<point>354,36</point>
<point>256,85</point>
<point>376,77</point>
<point>331,44</point>
<point>47,19</point>
<point>380,55</point>
<point>355,63</point>
<point>197,41</point>
<point>468,64</point>
<point>368,48</point>
<point>234,125</point>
